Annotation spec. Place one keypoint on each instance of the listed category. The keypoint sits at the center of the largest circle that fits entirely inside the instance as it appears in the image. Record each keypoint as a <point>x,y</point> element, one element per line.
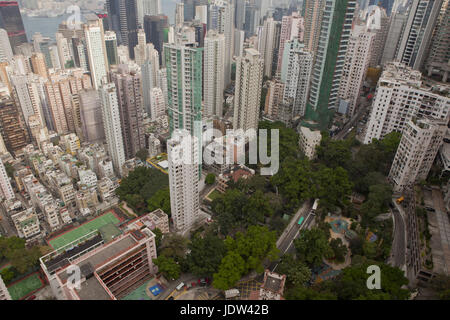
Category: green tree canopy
<point>206,255</point>
<point>168,267</point>
<point>230,271</point>
<point>160,200</point>
<point>312,247</point>
<point>297,273</point>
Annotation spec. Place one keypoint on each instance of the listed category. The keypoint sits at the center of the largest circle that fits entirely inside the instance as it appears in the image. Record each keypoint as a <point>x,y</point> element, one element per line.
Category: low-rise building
<point>309,140</point>
<point>27,224</point>
<point>235,173</point>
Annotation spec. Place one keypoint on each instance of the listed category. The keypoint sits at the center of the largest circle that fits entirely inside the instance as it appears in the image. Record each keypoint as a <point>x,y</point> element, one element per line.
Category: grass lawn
<point>74,234</point>
<point>213,195</point>
<point>24,287</point>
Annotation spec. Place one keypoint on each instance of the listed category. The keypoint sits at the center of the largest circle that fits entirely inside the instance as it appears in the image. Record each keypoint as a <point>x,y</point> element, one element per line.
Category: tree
<point>22,259</point>
<point>257,208</point>
<point>168,267</point>
<point>334,153</point>
<point>174,246</point>
<point>312,247</point>
<point>352,284</point>
<point>9,170</point>
<point>296,272</point>
<point>206,255</point>
<point>441,284</point>
<point>210,179</point>
<point>230,271</point>
<point>229,209</point>
<point>160,200</point>
<point>333,187</point>
<point>339,249</point>
<point>254,246</point>
<point>143,182</point>
<point>158,237</point>
<point>142,154</point>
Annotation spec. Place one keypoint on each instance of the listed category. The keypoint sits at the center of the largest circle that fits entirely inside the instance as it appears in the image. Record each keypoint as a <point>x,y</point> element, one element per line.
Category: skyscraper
<point>291,28</point>
<point>420,143</point>
<point>123,19</point>
<point>12,125</point>
<point>128,83</point>
<point>183,152</point>
<point>438,62</point>
<point>96,49</point>
<point>247,97</point>
<point>213,73</point>
<point>295,74</point>
<point>147,8</point>
<point>91,116</point>
<point>6,190</point>
<point>400,96</point>
<point>222,20</point>
<point>148,59</point>
<point>6,52</point>
<point>268,44</point>
<point>11,21</point>
<point>357,62</point>
<point>418,32</point>
<point>112,125</point>
<point>155,28</point>
<point>184,86</point>
<point>111,48</point>
<point>336,19</point>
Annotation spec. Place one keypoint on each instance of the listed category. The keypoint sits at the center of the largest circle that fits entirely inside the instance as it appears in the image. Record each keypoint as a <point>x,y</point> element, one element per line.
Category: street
<point>286,241</point>
<point>398,252</point>
<point>356,118</point>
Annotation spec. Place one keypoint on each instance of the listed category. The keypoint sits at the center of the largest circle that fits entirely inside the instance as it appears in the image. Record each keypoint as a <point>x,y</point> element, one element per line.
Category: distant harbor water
<point>49,26</point>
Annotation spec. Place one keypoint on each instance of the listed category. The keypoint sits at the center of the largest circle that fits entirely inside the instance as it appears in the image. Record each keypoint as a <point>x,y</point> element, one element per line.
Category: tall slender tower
<point>184,87</point>
<point>123,19</point>
<point>6,190</point>
<point>183,151</point>
<point>129,87</point>
<point>438,62</point>
<point>6,52</point>
<point>112,125</point>
<point>357,62</point>
<point>330,47</point>
<point>213,73</point>
<point>222,20</point>
<point>268,44</point>
<point>247,98</point>
<point>416,39</point>
<point>11,21</point>
<point>96,49</point>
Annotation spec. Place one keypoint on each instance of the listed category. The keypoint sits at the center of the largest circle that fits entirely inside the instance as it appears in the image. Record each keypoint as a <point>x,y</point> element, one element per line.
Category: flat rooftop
<point>92,289</point>
<point>102,256</point>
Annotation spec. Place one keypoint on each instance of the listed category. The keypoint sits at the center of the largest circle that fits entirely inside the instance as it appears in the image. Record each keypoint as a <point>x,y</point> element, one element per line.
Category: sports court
<point>22,288</point>
<point>90,226</point>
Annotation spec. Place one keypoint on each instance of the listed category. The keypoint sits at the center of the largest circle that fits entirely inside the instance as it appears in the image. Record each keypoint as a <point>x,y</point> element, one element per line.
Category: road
<point>356,118</point>
<point>398,252</point>
<point>286,242</point>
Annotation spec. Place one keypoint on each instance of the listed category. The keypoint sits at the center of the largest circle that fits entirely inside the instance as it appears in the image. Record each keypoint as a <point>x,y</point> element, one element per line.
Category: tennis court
<point>74,234</point>
<point>25,287</point>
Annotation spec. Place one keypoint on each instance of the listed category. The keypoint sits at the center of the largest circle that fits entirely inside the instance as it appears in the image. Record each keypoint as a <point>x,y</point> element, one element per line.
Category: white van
<point>232,293</point>
<point>180,286</point>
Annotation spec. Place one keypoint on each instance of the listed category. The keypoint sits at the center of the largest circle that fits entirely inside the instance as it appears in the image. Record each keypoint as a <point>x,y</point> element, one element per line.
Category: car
<point>430,209</point>
<point>202,282</point>
<point>171,298</point>
<point>33,297</point>
<point>188,286</point>
<point>194,284</point>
